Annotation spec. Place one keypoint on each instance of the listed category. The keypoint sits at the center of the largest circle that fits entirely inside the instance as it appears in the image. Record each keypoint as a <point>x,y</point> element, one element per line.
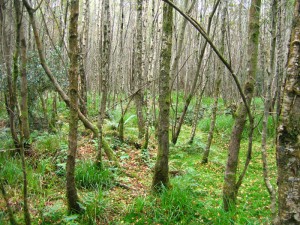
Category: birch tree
<point>161,170</point>
<point>138,69</point>
<point>220,73</point>
<point>230,187</point>
<point>73,73</point>
<point>83,47</point>
<point>21,50</point>
<point>105,73</point>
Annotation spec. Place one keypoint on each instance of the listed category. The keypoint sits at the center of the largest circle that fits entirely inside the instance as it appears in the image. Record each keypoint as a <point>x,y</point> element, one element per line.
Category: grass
<point>10,170</point>
<point>88,176</point>
<point>173,206</point>
<point>95,205</point>
<point>196,199</point>
<point>47,143</point>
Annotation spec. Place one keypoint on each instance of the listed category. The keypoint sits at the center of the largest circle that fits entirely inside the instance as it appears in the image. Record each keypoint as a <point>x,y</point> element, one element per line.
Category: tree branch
<point>199,28</point>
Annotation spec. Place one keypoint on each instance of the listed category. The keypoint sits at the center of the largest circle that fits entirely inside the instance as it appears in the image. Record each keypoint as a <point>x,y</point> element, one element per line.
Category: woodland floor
<point>123,195</point>
<point>134,180</point>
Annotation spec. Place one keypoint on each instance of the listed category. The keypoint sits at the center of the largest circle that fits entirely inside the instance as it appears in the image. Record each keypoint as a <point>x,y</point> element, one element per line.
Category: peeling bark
<point>288,139</point>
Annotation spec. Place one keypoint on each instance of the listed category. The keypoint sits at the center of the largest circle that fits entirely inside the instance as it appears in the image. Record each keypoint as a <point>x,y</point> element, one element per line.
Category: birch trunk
<point>161,170</point>
<point>288,139</point>
<point>84,45</point>
<point>138,70</point>
<point>149,76</point>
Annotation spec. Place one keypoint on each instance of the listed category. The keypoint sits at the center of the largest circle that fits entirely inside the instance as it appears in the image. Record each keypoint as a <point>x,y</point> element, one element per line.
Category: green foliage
<point>173,206</point>
<point>37,79</point>
<point>190,114</point>
<point>3,113</point>
<point>53,213</point>
<point>129,118</point>
<point>89,176</point>
<point>270,126</point>
<point>47,143</point>
<point>224,124</point>
<point>10,170</point>
<point>34,180</point>
<point>196,147</point>
<point>44,166</point>
<point>5,139</point>
<point>204,125</point>
<point>2,217</point>
<point>70,219</point>
<point>207,101</point>
<point>40,85</point>
<point>60,160</point>
<point>93,203</point>
<point>112,125</point>
<point>258,128</point>
<point>145,155</point>
<point>93,101</point>
<point>196,193</point>
<point>53,152</point>
<point>95,206</point>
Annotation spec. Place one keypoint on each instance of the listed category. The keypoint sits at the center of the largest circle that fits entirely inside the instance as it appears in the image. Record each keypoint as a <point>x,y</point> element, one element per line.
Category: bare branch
<point>30,8</point>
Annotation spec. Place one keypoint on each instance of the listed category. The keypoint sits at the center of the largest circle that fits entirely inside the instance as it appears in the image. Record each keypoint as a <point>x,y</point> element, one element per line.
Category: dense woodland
<point>149,112</point>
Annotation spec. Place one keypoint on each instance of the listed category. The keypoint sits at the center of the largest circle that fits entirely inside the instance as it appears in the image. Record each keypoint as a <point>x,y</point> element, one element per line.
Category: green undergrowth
<point>169,207</point>
<point>88,176</point>
<point>93,203</point>
<point>193,200</point>
<point>195,196</point>
<point>225,122</point>
<point>46,184</point>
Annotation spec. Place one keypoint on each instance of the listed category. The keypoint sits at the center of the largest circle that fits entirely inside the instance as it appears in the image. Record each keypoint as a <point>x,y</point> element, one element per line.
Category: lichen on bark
<point>161,170</point>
